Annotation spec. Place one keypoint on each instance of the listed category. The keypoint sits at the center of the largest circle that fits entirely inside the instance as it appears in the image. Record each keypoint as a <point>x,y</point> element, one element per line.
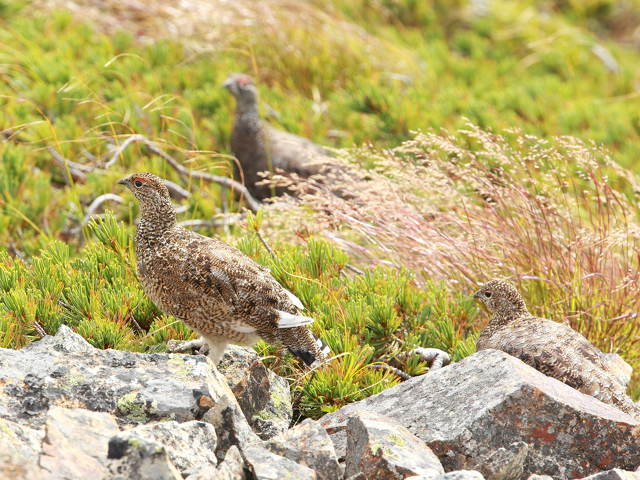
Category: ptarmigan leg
<point>217,345</point>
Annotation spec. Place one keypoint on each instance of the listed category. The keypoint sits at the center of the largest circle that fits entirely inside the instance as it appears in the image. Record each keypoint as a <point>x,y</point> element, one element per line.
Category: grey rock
<point>189,445</point>
<point>65,341</point>
<point>231,428</point>
<point>76,442</point>
<point>491,400</point>
<point>20,451</point>
<point>231,468</point>
<point>264,397</point>
<point>308,444</point>
<point>615,474</point>
<point>461,475</point>
<point>65,370</point>
<point>503,463</point>
<point>140,459</point>
<point>381,449</point>
<point>268,466</point>
<point>539,477</point>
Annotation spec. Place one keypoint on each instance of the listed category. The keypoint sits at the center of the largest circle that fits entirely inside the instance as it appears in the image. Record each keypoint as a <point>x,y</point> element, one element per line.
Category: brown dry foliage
<point>558,216</point>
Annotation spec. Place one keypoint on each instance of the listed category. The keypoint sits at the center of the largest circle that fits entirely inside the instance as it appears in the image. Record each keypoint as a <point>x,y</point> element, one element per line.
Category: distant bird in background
<point>553,348</point>
<point>214,288</point>
<point>259,147</point>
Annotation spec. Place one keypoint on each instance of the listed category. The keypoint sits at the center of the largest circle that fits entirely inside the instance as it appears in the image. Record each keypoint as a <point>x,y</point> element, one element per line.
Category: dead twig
<point>97,203</point>
<point>76,170</point>
<point>38,328</point>
<point>120,148</point>
<point>186,173</point>
<point>214,222</point>
<point>176,191</point>
<point>266,245</point>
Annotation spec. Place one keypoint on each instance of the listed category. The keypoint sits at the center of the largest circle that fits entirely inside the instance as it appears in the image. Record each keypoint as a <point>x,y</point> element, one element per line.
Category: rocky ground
<point>71,411</point>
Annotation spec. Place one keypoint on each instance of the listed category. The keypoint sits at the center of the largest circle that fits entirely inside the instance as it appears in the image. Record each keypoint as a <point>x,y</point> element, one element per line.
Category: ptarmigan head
<point>148,189</point>
<point>501,298</point>
<point>242,88</point>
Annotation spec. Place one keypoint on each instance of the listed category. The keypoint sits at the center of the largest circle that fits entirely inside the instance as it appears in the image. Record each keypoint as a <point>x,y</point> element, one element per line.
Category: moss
<point>133,407</point>
<point>396,440</point>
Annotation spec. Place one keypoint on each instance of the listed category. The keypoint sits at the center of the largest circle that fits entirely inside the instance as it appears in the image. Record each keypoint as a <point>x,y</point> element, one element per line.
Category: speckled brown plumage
<point>553,348</point>
<point>261,148</point>
<point>214,288</point>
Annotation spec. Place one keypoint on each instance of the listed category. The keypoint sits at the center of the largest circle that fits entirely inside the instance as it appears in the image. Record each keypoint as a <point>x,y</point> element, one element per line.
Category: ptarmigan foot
<point>435,357</point>
<point>188,346</point>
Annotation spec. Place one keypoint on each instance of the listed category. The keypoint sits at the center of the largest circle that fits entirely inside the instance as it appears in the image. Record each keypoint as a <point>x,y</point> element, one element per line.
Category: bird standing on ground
<point>552,348</point>
<point>214,288</point>
<point>259,147</point>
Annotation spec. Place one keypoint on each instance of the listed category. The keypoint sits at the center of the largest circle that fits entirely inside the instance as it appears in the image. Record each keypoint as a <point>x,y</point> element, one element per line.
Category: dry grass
<point>466,208</point>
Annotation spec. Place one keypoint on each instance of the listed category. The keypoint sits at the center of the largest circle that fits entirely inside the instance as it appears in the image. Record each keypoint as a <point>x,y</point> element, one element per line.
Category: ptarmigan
<point>214,288</point>
<point>553,348</point>
<point>259,147</point>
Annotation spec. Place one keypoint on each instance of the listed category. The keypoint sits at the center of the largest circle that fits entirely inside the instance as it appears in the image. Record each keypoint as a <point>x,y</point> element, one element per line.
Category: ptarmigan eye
<point>487,294</point>
<point>137,183</point>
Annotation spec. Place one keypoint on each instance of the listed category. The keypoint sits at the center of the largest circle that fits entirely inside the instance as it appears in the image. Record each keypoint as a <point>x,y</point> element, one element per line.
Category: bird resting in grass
<point>214,288</point>
<point>259,147</point>
<point>552,348</point>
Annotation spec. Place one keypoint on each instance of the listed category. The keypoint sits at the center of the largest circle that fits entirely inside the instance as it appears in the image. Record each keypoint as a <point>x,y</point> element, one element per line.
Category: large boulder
<point>64,402</point>
<point>20,451</point>
<point>381,449</point>
<point>231,468</point>
<point>65,370</point>
<point>264,397</point>
<point>141,459</point>
<point>190,446</point>
<point>489,401</point>
<point>76,443</point>
<point>265,465</point>
<point>615,474</point>
<point>308,444</point>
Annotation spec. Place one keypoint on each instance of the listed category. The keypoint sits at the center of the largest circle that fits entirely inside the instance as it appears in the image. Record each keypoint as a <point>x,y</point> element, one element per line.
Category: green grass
<point>400,66</point>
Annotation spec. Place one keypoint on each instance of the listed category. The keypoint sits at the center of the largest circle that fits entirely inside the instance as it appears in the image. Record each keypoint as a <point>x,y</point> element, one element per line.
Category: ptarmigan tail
<point>304,345</point>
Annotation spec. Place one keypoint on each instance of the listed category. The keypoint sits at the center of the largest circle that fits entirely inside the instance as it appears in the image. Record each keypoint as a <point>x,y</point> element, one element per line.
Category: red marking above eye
<point>244,80</point>
<point>139,179</point>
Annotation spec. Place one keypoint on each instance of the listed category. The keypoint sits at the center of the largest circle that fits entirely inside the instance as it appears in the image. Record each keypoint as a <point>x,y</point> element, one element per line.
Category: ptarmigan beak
<point>477,295</point>
<point>124,181</point>
<point>227,84</point>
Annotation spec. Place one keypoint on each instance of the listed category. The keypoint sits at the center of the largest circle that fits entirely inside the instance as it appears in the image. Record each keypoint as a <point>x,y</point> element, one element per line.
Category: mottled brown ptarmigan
<point>553,348</point>
<point>259,147</point>
<point>214,288</point>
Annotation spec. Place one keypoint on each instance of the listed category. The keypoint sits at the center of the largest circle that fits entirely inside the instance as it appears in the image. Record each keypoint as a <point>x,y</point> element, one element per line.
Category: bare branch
<point>253,204</point>
<point>176,191</point>
<point>353,269</point>
<point>264,242</point>
<point>38,328</point>
<point>120,148</point>
<point>76,170</point>
<point>186,173</point>
<point>214,222</point>
<point>97,203</point>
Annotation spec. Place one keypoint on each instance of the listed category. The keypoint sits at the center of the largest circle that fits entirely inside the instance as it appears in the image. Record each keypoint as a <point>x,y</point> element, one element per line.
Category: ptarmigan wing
<point>256,299</point>
<point>292,153</point>
<point>558,351</point>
